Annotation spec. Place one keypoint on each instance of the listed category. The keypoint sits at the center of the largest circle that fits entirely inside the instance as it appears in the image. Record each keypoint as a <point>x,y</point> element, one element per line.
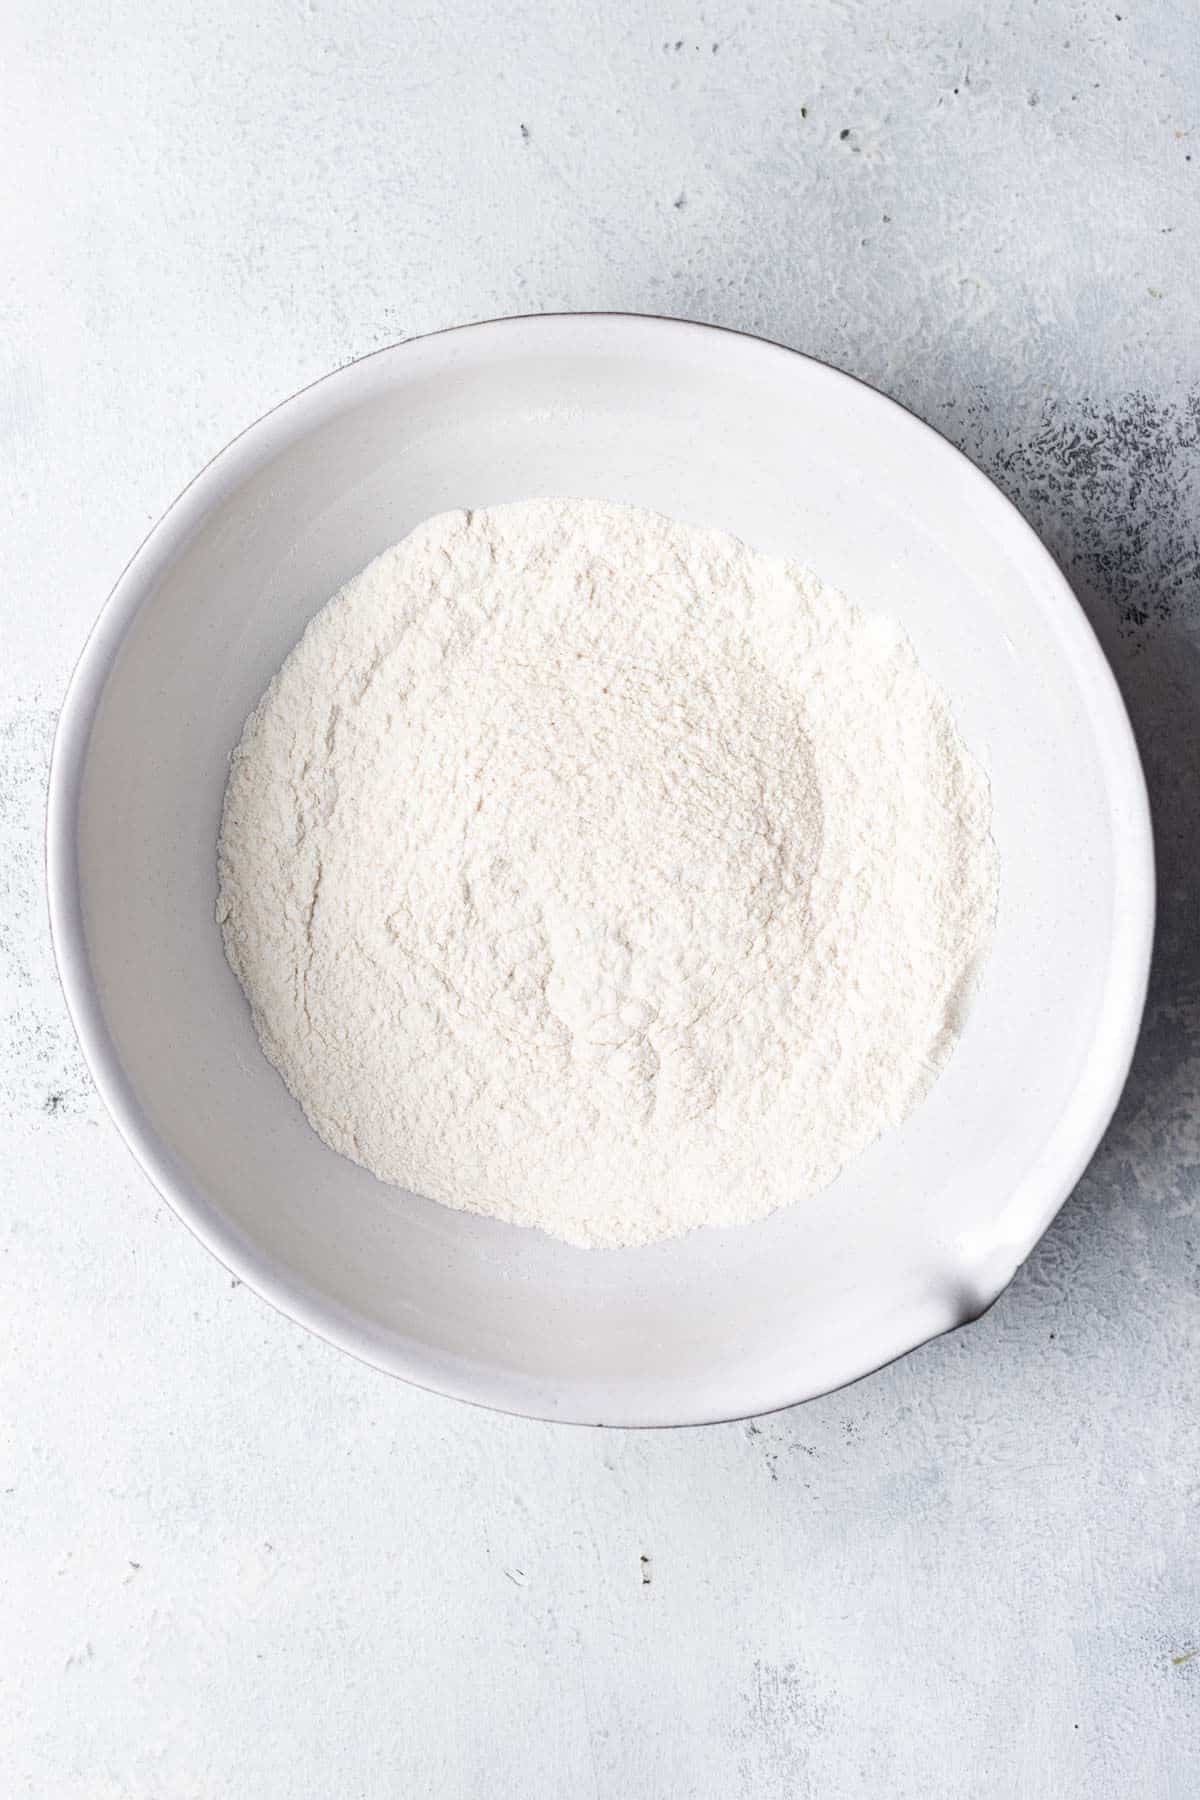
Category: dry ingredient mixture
<point>595,872</point>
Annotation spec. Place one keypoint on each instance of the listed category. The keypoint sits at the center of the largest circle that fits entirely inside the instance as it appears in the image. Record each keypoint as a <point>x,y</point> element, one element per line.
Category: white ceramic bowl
<point>922,1232</point>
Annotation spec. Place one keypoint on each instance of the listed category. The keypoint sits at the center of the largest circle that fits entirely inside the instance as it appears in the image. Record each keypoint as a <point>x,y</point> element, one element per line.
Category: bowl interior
<point>720,430</point>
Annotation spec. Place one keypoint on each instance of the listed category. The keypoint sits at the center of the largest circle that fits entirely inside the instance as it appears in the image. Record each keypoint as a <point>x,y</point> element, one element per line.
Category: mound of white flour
<point>600,874</point>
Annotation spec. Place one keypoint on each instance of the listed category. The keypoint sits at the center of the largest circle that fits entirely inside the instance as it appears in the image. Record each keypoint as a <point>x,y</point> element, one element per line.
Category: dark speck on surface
<point>844,133</point>
<point>1115,490</point>
<point>680,203</point>
<point>525,133</point>
<point>54,1103</point>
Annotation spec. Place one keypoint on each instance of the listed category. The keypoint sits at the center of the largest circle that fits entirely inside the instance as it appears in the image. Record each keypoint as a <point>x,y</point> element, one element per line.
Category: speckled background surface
<point>234,1562</point>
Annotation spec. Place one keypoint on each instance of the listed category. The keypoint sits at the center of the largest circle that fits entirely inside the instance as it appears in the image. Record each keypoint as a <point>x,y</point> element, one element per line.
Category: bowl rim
<point>1106,1070</point>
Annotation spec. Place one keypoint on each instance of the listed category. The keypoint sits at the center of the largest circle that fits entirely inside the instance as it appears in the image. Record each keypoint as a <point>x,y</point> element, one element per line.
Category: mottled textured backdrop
<point>235,1563</point>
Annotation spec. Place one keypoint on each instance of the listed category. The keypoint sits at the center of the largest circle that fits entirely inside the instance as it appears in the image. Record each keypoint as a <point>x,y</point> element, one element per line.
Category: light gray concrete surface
<point>233,1562</point>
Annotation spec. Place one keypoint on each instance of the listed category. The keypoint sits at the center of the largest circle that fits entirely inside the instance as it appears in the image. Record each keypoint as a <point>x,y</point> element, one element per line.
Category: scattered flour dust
<point>598,873</point>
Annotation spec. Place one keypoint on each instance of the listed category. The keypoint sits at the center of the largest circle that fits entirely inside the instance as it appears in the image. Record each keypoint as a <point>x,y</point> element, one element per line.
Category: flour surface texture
<point>593,871</point>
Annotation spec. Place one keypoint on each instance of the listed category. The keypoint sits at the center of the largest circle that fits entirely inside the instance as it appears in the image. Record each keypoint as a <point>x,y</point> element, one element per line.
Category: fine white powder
<point>598,873</point>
